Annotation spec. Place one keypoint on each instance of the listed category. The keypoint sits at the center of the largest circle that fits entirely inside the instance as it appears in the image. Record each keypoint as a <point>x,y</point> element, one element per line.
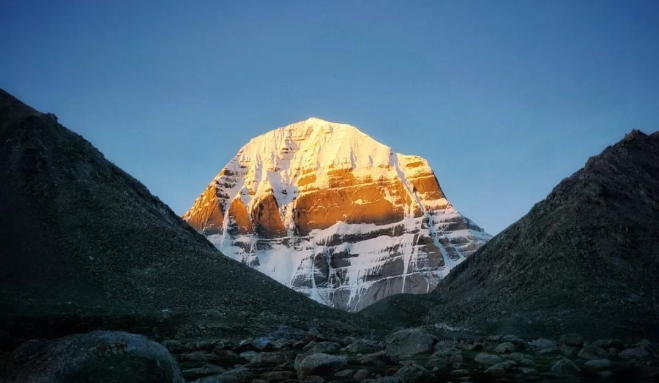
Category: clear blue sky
<point>504,98</point>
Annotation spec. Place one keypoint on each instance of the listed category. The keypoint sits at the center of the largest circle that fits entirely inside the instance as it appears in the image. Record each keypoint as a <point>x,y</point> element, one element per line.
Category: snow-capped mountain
<point>326,210</point>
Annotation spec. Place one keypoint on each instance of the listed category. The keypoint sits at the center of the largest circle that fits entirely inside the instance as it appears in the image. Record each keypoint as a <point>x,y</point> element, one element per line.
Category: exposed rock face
<point>84,242</point>
<point>99,356</point>
<point>585,259</point>
<point>328,211</point>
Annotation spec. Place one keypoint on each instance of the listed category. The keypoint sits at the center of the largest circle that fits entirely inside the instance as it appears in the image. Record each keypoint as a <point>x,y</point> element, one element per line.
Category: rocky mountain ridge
<point>326,210</point>
<point>84,246</point>
<point>586,259</point>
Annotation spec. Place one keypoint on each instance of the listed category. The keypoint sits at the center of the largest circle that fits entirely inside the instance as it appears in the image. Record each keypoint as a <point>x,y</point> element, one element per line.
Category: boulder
<point>407,343</point>
<point>514,339</point>
<point>550,350</point>
<point>527,371</point>
<point>598,364</point>
<point>609,343</point>
<point>606,374</point>
<point>99,356</point>
<point>379,358</point>
<point>505,347</point>
<point>413,373</point>
<point>542,344</point>
<point>635,353</point>
<point>254,344</point>
<point>362,346</point>
<point>344,373</point>
<point>574,340</point>
<point>486,358</point>
<point>527,363</point>
<point>444,357</point>
<point>565,367</point>
<point>592,352</point>
<point>498,370</point>
<point>460,372</point>
<point>516,356</point>
<point>361,374</point>
<point>320,363</point>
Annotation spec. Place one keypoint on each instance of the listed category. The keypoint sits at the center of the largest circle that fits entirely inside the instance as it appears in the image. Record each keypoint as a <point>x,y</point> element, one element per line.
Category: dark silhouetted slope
<point>585,259</point>
<point>83,243</point>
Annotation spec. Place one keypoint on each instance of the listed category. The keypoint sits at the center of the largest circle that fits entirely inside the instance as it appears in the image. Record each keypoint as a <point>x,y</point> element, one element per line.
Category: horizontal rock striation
<point>325,209</point>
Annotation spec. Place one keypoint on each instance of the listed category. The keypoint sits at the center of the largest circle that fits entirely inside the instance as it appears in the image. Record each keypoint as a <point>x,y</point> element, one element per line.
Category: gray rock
<point>444,357</point>
<point>592,352</point>
<point>486,358</point>
<point>609,343</point>
<point>514,339</point>
<point>598,364</point>
<point>546,351</point>
<point>527,363</point>
<point>606,374</point>
<point>565,367</point>
<point>320,362</point>
<point>99,356</point>
<point>516,356</point>
<point>527,371</point>
<point>379,358</point>
<point>310,345</point>
<point>574,340</point>
<point>344,373</point>
<point>542,344</point>
<point>362,346</point>
<point>460,372</point>
<point>505,347</point>
<point>412,373</point>
<point>508,364</point>
<point>361,374</point>
<point>248,355</point>
<point>274,358</point>
<point>406,343</point>
<point>498,370</point>
<point>326,347</point>
<point>635,353</point>
<point>253,344</point>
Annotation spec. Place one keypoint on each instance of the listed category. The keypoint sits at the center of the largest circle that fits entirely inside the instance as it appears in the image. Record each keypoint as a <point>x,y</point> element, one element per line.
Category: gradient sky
<point>504,98</point>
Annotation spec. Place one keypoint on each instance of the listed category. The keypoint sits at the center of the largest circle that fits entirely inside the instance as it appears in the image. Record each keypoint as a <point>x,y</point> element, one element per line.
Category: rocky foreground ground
<point>291,355</point>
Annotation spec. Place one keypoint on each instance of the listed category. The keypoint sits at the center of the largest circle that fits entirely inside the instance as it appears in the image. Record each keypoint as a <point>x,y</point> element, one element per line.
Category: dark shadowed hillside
<point>84,245</point>
<point>585,259</point>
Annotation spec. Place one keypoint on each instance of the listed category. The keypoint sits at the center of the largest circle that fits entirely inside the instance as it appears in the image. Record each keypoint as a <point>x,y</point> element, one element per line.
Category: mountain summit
<point>325,209</point>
